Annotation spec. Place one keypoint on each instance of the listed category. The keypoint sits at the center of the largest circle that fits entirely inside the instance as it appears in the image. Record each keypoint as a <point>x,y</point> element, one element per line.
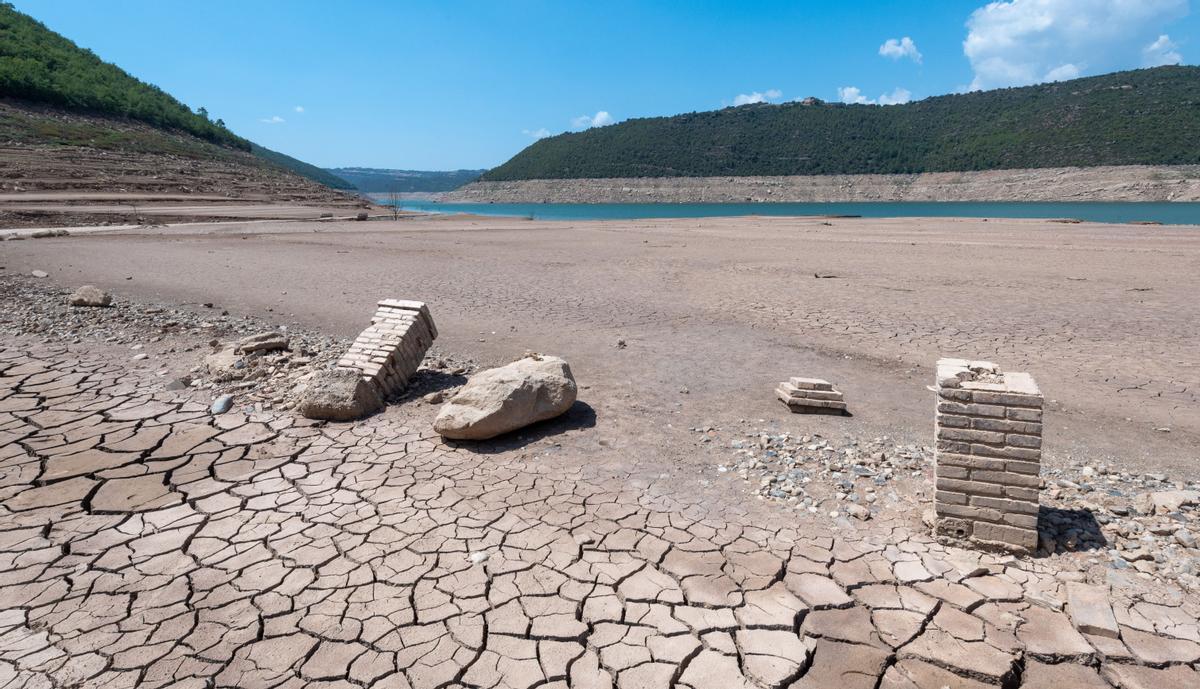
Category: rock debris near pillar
<point>389,351</point>
<point>988,455</point>
<point>811,396</point>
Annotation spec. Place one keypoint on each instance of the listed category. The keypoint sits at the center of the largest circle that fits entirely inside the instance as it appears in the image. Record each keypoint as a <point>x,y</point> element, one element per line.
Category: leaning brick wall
<point>988,455</point>
<point>391,349</point>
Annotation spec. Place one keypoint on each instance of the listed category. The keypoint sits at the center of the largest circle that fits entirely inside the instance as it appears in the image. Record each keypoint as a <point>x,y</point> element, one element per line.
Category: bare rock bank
<point>1114,183</point>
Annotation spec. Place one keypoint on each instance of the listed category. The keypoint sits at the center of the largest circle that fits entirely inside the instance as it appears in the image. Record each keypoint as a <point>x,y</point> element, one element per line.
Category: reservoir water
<point>1110,212</point>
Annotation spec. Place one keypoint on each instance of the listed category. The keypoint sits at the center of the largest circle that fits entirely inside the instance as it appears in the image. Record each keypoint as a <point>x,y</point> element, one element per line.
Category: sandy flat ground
<point>715,312</point>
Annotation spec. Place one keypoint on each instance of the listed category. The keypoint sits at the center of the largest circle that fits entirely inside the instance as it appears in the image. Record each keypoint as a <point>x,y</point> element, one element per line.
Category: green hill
<point>376,180</point>
<point>1149,116</point>
<point>39,67</point>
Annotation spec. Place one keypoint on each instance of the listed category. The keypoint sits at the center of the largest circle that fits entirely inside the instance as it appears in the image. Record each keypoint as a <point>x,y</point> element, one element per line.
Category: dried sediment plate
<point>179,548</point>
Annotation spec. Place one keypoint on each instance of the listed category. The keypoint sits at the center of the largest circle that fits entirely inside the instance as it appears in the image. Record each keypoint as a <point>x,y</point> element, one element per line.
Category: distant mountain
<point>380,181</point>
<point>1149,116</point>
<point>41,69</point>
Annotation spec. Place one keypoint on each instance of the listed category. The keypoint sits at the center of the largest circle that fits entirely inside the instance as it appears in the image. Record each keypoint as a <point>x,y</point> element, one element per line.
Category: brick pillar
<point>988,455</point>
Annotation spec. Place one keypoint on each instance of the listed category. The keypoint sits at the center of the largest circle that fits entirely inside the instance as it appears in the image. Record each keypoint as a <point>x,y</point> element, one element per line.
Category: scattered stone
<point>40,274</point>
<point>362,215</point>
<point>221,405</point>
<point>339,395</point>
<point>89,295</point>
<point>504,399</point>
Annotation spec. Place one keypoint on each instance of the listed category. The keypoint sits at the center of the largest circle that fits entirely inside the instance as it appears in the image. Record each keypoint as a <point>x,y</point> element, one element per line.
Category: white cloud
<point>273,119</point>
<point>900,48</point>
<point>756,97</point>
<point>898,96</point>
<point>852,95</point>
<point>1163,51</point>
<point>1021,42</point>
<point>536,133</point>
<point>299,108</point>
<point>600,119</point>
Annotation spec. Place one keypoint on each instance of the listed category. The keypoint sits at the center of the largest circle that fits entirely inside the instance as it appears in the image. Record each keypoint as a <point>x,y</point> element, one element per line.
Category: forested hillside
<point>1149,116</point>
<point>42,69</point>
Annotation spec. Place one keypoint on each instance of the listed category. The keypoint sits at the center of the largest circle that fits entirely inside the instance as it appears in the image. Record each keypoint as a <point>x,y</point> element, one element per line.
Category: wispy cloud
<point>1163,51</point>
<point>299,108</point>
<point>600,119</point>
<point>757,97</point>
<point>899,48</point>
<point>273,119</point>
<point>852,95</point>
<point>1021,42</point>
<point>536,133</point>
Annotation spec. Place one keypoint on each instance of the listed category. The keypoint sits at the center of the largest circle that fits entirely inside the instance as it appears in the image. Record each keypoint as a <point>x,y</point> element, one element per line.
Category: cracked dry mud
<point>144,542</point>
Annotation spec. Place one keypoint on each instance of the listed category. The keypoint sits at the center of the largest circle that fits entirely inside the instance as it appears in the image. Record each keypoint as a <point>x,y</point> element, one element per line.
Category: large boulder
<point>339,395</point>
<point>89,295</point>
<point>504,399</point>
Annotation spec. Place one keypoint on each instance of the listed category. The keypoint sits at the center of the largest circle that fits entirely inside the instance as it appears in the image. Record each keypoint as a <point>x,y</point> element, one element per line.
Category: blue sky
<point>466,84</point>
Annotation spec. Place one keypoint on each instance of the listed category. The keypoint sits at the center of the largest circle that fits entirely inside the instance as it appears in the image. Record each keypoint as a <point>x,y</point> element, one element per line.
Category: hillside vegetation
<point>1149,117</point>
<point>44,78</point>
<point>376,180</point>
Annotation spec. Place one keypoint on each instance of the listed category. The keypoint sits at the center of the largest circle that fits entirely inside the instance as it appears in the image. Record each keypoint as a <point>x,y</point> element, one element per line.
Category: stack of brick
<point>988,455</point>
<point>388,352</point>
<point>811,395</point>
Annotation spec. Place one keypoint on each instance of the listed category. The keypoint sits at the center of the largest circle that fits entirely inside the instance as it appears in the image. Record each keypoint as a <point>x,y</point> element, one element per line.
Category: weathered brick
<point>1006,399</point>
<point>1021,493</point>
<point>1004,505</point>
<point>1007,426</point>
<point>1025,539</point>
<point>967,512</point>
<point>950,471</point>
<point>947,498</point>
<point>1020,414</point>
<point>969,487</point>
<point>1018,467</point>
<point>969,462</point>
<point>951,421</point>
<point>1007,478</point>
<point>1026,454</point>
<point>970,436</point>
<point>1026,441</point>
<point>953,447</point>
<point>1026,521</point>
<point>989,410</point>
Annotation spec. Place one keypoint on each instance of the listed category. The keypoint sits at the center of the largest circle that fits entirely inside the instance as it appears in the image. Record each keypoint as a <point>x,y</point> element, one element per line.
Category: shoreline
<point>1110,183</point>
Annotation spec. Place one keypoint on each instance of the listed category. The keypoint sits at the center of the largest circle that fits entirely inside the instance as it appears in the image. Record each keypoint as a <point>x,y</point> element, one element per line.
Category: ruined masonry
<point>389,351</point>
<point>988,455</point>
<point>811,395</point>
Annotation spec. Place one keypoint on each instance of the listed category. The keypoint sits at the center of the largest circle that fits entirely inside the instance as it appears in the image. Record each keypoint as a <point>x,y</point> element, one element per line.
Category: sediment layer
<point>1121,183</point>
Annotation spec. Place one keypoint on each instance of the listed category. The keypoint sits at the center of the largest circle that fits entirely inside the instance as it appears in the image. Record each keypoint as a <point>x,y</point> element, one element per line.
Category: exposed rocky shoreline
<point>1123,183</point>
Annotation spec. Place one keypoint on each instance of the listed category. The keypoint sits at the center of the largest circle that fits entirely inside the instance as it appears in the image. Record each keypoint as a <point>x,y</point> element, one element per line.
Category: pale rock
<point>504,399</point>
<point>89,295</point>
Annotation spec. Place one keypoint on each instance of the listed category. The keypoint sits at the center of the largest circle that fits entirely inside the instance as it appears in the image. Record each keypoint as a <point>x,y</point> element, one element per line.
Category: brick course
<point>988,453</point>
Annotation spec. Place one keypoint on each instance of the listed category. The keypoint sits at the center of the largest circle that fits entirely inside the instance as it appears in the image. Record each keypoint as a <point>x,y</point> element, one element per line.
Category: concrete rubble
<point>811,396</point>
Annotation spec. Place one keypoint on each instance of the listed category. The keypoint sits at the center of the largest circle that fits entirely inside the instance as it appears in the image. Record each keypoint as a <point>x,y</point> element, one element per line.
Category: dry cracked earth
<point>146,542</point>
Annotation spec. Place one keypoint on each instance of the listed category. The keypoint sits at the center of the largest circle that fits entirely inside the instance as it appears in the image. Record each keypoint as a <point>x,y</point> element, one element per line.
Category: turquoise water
<point>1166,213</point>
